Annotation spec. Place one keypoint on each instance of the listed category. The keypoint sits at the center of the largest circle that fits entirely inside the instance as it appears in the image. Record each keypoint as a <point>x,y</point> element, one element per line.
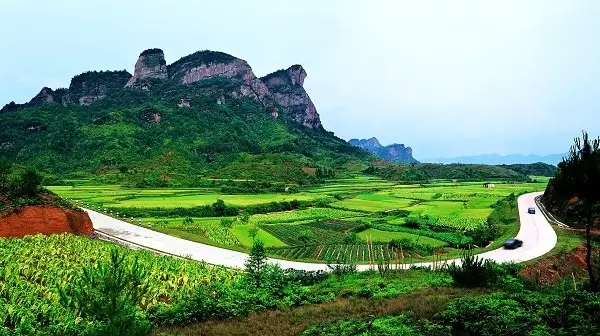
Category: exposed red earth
<point>43,219</point>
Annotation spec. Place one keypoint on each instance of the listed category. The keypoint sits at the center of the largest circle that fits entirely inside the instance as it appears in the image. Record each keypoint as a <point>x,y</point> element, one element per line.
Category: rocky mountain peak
<point>151,64</point>
<point>45,96</point>
<point>93,85</point>
<point>367,144</point>
<point>281,92</point>
<point>208,64</point>
<point>297,74</point>
<point>285,87</point>
<point>394,152</point>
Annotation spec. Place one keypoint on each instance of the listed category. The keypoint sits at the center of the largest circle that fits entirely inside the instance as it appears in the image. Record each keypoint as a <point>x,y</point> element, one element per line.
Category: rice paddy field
<point>352,216</point>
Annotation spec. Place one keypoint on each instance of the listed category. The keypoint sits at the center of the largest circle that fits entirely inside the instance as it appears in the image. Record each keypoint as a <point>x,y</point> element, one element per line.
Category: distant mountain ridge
<point>395,152</point>
<point>497,159</point>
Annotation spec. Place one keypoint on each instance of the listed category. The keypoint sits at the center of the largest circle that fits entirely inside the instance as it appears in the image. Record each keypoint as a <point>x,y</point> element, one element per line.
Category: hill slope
<point>206,114</point>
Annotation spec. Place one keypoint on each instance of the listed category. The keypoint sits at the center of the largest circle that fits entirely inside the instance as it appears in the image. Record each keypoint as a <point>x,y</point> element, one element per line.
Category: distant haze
<point>497,159</point>
<point>447,78</point>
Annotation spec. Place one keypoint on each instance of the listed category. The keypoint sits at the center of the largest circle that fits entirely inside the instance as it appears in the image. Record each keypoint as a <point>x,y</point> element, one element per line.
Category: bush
<point>109,295</point>
<point>306,278</point>
<point>554,312</point>
<point>477,272</point>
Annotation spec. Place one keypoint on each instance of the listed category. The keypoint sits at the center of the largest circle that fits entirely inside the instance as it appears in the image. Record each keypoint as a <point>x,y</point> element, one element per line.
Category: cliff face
<point>150,65</point>
<point>49,96</point>
<point>93,85</point>
<point>286,88</point>
<point>394,152</point>
<point>281,93</point>
<point>205,65</point>
<point>368,144</point>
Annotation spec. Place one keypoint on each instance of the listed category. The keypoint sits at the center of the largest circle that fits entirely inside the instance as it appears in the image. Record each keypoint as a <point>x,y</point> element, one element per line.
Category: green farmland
<point>342,219</point>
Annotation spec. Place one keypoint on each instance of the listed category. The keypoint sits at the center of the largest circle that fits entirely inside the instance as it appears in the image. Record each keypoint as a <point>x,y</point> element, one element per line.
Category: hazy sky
<point>447,78</point>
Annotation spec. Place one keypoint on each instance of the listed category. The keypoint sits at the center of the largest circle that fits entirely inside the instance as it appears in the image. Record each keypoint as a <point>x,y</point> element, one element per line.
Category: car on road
<point>531,210</point>
<point>512,243</point>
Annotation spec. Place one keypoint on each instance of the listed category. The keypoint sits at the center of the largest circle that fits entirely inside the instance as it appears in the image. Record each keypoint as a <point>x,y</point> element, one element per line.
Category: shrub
<point>109,295</point>
<point>306,278</point>
<point>477,272</point>
<point>255,264</point>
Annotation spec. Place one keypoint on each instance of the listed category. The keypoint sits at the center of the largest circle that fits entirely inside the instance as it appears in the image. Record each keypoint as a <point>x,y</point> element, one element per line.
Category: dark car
<point>512,243</point>
<point>531,210</point>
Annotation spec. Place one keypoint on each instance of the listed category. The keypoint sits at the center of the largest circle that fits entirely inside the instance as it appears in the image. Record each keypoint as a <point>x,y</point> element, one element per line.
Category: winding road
<point>537,235</point>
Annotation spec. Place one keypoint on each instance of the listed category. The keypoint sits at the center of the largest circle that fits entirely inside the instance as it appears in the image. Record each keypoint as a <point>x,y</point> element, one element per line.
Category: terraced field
<point>349,214</point>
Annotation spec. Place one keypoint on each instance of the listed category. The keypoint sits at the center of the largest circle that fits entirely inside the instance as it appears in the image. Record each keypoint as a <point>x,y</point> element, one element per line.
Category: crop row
<point>454,239</point>
<point>337,253</point>
<point>300,215</point>
<point>33,269</point>
<point>291,234</point>
<point>217,234</point>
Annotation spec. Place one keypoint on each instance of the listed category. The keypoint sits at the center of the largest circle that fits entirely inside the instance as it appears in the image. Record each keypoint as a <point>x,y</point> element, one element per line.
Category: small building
<point>489,185</point>
<point>184,102</point>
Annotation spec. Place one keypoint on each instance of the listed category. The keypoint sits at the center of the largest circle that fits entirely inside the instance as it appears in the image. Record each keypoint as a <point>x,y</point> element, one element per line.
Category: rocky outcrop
<point>395,152</point>
<point>93,85</point>
<point>368,144</point>
<point>281,93</point>
<point>205,65</point>
<point>286,89</point>
<point>48,96</point>
<point>44,219</point>
<point>151,65</point>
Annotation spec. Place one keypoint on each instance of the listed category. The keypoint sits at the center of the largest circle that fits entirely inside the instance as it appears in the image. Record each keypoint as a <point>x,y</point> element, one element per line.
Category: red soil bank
<point>44,219</point>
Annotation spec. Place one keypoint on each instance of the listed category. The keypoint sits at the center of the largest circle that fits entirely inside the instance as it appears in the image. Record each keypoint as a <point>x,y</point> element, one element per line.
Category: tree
<point>244,217</point>
<point>227,223</point>
<point>256,263</point>
<point>585,159</point>
<point>579,176</point>
<point>219,208</point>
<point>110,294</point>
<point>5,169</point>
<point>253,232</point>
<point>28,183</point>
<point>306,236</point>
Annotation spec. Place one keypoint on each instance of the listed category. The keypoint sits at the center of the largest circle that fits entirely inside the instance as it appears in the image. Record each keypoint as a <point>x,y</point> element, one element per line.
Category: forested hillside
<point>220,121</point>
<point>455,171</point>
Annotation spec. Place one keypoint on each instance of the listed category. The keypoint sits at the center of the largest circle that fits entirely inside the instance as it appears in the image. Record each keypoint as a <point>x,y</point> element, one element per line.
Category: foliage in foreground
<point>555,312</point>
<point>477,272</point>
<point>574,193</point>
<point>109,297</point>
<point>35,268</point>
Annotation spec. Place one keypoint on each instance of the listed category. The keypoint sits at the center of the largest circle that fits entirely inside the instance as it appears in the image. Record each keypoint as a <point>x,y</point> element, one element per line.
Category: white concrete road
<point>536,233</point>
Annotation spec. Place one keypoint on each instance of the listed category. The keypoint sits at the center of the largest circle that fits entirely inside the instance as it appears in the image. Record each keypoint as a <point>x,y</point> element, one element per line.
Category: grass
<point>384,236</point>
<point>118,196</point>
<point>372,203</point>
<point>242,233</point>
<point>456,206</point>
<point>283,322</point>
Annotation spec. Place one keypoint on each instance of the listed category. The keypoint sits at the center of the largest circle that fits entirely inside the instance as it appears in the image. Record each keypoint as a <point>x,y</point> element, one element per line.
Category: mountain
<point>206,114</point>
<point>395,152</point>
<point>496,159</point>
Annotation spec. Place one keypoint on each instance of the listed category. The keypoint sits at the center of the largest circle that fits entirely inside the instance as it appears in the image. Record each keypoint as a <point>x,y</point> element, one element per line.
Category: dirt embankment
<point>44,219</point>
<point>553,269</point>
